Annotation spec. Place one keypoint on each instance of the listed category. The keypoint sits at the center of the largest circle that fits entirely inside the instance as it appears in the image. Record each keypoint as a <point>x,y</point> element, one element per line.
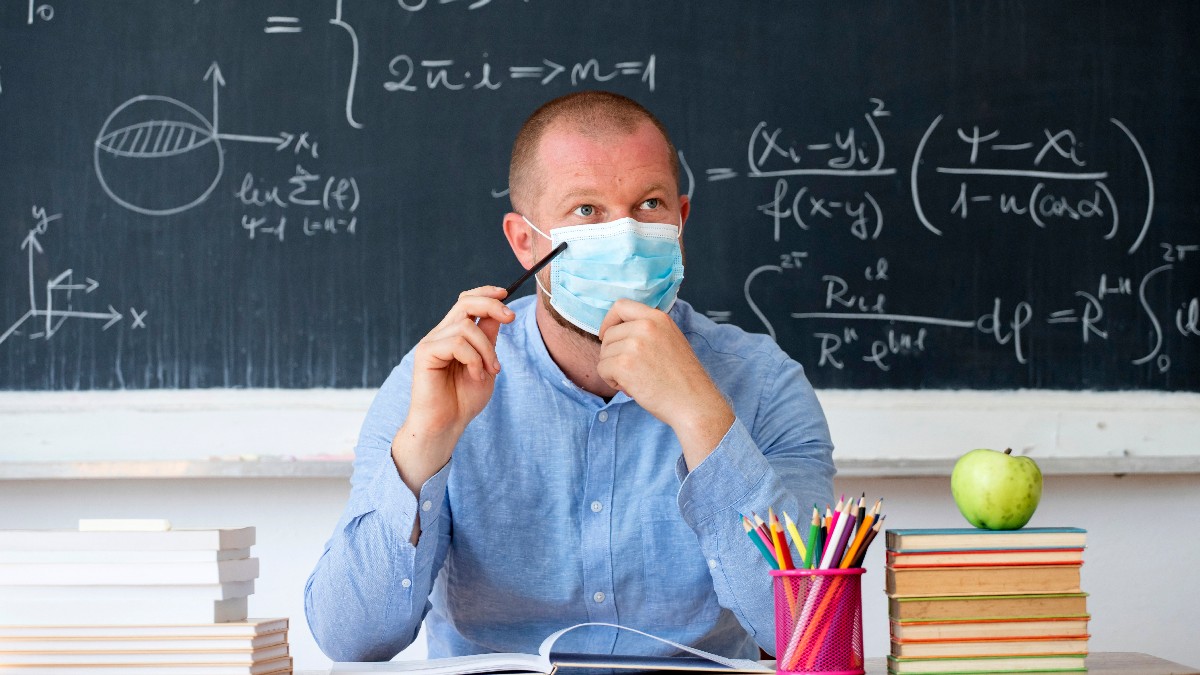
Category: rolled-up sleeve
<point>778,456</point>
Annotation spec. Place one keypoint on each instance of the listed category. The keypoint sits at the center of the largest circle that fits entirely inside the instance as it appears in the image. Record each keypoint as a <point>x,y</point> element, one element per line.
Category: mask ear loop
<point>536,279</point>
<point>535,229</point>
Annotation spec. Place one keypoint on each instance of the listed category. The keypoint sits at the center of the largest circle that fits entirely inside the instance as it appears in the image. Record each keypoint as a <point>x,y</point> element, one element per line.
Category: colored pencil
<point>836,537</point>
<point>861,531</point>
<point>758,542</point>
<point>814,539</point>
<point>827,530</point>
<point>791,528</point>
<point>782,550</point>
<point>845,527</point>
<point>862,552</point>
<point>763,532</point>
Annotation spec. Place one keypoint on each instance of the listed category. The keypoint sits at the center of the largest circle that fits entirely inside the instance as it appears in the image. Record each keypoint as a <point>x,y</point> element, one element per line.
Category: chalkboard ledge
<point>311,433</point>
<point>340,469</point>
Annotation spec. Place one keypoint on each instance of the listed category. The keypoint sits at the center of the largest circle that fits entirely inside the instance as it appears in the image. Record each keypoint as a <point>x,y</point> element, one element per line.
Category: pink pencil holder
<point>818,622</point>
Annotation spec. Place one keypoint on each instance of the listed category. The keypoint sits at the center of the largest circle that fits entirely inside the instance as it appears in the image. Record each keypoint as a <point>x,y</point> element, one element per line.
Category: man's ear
<point>520,238</point>
<point>685,207</point>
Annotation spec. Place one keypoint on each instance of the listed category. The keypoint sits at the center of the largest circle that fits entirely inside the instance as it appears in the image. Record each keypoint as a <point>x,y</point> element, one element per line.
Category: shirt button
<point>599,596</point>
<point>406,583</point>
<point>603,415</point>
<point>712,564</point>
<point>427,505</point>
<point>597,507</point>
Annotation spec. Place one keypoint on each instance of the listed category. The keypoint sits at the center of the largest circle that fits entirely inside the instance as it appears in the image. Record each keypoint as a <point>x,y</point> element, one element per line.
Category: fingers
<point>480,303</point>
<point>627,310</point>
<point>622,343</point>
<point>459,339</point>
<point>460,349</point>
<point>490,328</point>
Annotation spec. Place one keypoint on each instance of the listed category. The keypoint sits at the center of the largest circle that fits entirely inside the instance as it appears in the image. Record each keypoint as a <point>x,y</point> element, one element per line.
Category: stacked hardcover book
<point>98,600</point>
<point>983,601</point>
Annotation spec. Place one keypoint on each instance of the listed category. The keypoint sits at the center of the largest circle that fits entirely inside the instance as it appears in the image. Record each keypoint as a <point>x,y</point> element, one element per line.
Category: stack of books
<point>166,601</point>
<point>982,601</point>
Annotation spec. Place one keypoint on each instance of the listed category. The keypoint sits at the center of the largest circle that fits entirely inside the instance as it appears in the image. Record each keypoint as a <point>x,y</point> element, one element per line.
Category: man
<point>578,457</point>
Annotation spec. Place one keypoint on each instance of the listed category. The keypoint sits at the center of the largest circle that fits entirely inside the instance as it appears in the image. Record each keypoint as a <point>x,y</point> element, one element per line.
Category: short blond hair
<point>594,113</point>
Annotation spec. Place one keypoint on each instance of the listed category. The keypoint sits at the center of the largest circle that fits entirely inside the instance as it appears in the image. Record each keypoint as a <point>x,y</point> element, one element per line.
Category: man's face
<point>597,179</point>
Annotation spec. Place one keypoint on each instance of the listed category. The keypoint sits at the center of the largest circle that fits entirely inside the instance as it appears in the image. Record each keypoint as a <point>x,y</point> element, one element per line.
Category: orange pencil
<point>806,635</point>
<point>863,530</point>
<point>862,553</point>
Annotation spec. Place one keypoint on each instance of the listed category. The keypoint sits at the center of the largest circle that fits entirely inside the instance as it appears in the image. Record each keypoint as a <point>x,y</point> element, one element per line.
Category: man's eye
<point>652,203</point>
<point>587,210</point>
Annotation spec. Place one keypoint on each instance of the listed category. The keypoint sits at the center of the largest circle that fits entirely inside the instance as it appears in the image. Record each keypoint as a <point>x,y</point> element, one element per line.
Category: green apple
<point>995,490</point>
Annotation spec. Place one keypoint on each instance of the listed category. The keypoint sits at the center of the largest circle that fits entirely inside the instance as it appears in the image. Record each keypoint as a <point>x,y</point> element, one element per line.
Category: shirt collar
<point>541,362</point>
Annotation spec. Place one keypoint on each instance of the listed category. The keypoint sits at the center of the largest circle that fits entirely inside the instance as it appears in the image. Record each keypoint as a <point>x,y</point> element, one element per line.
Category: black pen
<point>512,288</point>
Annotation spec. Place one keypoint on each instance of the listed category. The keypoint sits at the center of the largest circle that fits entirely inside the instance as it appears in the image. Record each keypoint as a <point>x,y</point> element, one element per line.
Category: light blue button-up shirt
<point>559,508</point>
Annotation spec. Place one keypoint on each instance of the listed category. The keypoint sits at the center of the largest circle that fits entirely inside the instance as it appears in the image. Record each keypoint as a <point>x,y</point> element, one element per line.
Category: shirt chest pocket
<point>678,584</point>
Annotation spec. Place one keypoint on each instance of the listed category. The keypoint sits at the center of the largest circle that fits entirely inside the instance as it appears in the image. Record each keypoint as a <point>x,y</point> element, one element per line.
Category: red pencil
<point>783,550</point>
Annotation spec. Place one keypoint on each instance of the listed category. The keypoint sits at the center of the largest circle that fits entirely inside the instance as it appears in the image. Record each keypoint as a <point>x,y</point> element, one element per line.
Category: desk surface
<point>1102,663</point>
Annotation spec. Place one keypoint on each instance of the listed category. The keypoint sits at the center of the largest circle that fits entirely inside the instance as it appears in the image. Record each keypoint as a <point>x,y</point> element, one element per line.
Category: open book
<point>543,663</point>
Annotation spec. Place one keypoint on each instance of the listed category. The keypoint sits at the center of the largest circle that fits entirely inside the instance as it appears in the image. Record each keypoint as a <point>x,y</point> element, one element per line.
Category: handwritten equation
<point>413,75</point>
<point>1053,194</point>
<point>959,177</point>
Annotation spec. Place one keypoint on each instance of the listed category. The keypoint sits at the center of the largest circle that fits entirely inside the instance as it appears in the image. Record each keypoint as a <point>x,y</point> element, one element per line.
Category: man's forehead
<point>565,143</point>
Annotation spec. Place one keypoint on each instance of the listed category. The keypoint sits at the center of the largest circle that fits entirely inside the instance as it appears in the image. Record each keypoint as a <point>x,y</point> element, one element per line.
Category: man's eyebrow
<point>585,193</point>
<point>577,194</point>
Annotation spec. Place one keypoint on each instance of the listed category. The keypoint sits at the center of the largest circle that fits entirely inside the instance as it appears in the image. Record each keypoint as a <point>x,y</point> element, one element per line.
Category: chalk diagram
<point>158,156</point>
<point>58,294</point>
<point>153,140</point>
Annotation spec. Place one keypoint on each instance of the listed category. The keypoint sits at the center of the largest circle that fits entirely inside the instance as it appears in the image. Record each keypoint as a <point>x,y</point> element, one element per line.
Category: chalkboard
<point>969,194</point>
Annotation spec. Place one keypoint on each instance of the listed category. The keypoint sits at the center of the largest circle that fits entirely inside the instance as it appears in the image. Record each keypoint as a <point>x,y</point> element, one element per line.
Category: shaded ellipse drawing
<point>158,156</point>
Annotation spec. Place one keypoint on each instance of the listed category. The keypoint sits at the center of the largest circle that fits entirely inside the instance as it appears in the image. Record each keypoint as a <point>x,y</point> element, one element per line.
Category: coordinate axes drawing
<point>52,303</point>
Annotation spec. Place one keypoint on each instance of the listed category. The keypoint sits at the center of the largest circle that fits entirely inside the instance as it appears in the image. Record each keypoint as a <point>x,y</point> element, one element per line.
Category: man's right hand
<point>454,371</point>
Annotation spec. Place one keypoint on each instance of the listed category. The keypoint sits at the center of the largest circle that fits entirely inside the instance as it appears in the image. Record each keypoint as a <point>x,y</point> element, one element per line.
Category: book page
<point>455,665</point>
<point>542,662</point>
<point>623,661</point>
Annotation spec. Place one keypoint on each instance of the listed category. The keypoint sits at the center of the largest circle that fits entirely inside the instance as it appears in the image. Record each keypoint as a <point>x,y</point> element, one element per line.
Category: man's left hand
<point>644,354</point>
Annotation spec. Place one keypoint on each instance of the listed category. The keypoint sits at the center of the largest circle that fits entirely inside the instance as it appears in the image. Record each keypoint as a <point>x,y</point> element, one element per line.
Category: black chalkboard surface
<point>219,193</point>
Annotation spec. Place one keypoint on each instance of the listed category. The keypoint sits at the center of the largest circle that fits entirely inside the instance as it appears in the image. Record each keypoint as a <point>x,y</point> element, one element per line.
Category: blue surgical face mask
<point>608,261</point>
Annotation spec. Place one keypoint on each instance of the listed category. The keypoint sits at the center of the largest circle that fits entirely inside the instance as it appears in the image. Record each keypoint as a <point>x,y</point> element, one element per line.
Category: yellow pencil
<point>791,527</point>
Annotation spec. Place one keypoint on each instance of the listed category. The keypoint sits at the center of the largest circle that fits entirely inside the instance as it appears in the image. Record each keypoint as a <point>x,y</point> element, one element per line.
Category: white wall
<point>1139,569</point>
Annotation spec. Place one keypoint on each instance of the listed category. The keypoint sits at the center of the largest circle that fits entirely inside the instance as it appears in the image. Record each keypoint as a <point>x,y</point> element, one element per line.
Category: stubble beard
<point>562,320</point>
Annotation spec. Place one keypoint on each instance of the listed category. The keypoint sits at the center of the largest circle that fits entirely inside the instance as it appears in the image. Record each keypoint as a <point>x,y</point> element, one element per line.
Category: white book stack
<point>133,596</point>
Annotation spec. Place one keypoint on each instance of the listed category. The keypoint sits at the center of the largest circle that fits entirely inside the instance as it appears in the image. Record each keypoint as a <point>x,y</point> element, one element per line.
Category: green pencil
<point>814,538</point>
